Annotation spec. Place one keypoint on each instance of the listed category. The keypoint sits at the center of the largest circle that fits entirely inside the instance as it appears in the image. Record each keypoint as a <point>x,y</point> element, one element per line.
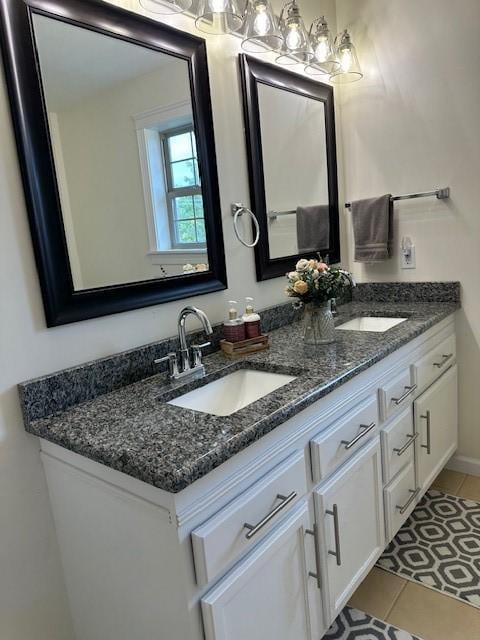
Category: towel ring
<point>238,209</point>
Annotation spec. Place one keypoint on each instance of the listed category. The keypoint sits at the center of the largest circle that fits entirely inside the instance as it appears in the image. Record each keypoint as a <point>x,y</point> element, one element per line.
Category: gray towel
<point>313,228</point>
<point>373,228</point>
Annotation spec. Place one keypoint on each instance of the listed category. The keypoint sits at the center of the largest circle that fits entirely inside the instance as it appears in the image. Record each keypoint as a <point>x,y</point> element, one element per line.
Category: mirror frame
<point>254,71</point>
<point>62,303</point>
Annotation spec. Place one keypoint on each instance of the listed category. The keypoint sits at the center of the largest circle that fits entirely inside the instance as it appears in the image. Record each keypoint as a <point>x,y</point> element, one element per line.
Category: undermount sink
<point>370,323</point>
<point>231,393</point>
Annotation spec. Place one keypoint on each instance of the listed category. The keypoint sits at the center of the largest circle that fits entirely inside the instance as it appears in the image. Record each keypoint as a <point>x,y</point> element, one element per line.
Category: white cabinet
<point>351,523</point>
<point>127,546</point>
<point>436,423</point>
<point>270,594</point>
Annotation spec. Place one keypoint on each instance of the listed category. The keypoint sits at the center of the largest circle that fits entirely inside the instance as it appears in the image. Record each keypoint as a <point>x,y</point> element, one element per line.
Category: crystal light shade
<point>261,31</point>
<point>296,43</point>
<point>219,16</point>
<point>349,67</point>
<point>323,61</point>
<point>166,7</point>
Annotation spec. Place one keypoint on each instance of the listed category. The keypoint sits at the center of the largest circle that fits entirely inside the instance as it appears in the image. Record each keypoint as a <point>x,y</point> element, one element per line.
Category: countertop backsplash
<point>59,391</point>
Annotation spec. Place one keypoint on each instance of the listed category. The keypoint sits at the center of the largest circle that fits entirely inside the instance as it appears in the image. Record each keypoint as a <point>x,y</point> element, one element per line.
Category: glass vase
<point>319,326</point>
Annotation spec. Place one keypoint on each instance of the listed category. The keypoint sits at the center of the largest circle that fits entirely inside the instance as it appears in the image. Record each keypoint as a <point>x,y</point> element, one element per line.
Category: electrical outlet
<point>407,254</point>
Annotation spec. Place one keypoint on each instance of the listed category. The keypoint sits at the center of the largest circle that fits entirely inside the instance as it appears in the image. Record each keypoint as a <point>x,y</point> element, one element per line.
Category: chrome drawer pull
<point>366,429</point>
<point>427,446</point>
<point>414,493</point>
<point>409,391</point>
<point>255,528</point>
<point>314,532</point>
<point>336,531</point>
<point>445,359</point>
<point>409,442</point>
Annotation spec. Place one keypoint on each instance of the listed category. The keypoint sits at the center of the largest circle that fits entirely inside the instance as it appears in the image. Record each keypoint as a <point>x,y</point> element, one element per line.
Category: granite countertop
<point>134,431</point>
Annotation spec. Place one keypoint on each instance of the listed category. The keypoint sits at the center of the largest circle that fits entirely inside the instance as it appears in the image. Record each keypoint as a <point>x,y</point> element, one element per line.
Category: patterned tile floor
<point>424,612</point>
<point>354,624</point>
<point>439,546</point>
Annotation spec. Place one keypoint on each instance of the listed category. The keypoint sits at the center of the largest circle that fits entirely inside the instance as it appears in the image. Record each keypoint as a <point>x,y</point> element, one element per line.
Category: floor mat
<point>439,547</point>
<point>353,624</point>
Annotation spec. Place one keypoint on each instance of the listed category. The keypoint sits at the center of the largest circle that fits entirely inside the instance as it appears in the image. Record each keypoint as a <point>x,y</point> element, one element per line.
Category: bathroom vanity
<point>177,524</point>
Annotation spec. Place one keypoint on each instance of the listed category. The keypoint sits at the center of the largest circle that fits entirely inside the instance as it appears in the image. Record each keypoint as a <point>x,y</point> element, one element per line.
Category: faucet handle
<point>171,358</point>
<point>197,353</point>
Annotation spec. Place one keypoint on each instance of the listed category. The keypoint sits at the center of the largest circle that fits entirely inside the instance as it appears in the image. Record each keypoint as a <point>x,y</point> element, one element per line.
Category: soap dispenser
<point>252,320</point>
<point>234,327</point>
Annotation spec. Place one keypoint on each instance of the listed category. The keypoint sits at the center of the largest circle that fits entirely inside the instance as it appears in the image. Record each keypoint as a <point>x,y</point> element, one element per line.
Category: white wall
<point>412,125</point>
<point>32,601</point>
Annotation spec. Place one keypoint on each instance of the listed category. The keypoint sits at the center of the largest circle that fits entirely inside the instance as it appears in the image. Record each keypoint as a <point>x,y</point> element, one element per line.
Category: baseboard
<point>464,464</point>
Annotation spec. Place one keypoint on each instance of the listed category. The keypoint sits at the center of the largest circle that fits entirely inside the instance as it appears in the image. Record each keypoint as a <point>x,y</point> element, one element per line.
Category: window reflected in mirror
<point>124,146</point>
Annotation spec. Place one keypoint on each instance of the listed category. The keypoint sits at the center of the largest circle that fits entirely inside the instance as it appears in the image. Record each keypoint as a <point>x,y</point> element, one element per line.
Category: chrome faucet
<point>349,277</point>
<point>182,366</point>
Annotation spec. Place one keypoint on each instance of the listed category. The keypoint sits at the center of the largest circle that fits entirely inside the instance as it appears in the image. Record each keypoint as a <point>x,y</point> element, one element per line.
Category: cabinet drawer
<point>396,393</point>
<point>400,499</point>
<point>398,443</point>
<point>428,368</point>
<point>340,440</point>
<point>220,541</point>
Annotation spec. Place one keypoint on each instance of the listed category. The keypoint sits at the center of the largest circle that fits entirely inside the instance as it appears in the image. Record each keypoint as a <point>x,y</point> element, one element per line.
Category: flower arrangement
<point>314,281</point>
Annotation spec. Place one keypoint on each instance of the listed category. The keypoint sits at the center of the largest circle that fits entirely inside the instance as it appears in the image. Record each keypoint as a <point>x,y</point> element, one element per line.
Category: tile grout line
<point>396,600</point>
<point>461,485</point>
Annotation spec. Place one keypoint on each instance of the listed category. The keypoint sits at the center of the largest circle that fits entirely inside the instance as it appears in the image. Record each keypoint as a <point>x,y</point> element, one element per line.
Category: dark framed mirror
<point>113,123</point>
<point>290,135</point>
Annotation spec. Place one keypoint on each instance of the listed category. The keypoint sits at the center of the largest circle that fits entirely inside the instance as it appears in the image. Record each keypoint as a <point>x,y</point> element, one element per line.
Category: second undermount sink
<point>231,393</point>
<point>370,323</point>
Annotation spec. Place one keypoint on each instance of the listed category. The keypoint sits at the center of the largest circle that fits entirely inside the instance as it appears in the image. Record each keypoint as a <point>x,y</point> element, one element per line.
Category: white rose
<point>293,276</point>
<point>302,265</point>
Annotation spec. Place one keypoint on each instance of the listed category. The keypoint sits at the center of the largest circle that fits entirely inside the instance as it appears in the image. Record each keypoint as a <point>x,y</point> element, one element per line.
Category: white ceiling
<point>76,63</point>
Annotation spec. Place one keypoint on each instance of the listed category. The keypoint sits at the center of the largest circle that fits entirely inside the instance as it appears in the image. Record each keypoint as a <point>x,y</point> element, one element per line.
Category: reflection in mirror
<point>123,140</point>
<point>290,135</point>
<point>292,128</point>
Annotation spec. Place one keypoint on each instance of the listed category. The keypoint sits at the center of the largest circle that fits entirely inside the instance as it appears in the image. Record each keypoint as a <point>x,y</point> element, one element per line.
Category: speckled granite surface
<point>59,391</point>
<point>407,292</point>
<point>133,430</point>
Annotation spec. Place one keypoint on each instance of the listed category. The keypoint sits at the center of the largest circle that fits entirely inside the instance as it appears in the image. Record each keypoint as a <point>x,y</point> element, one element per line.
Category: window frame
<point>171,192</point>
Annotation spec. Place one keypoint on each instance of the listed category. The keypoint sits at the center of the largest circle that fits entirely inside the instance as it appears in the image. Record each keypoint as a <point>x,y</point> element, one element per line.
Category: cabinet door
<point>437,424</point>
<point>351,522</point>
<point>270,593</point>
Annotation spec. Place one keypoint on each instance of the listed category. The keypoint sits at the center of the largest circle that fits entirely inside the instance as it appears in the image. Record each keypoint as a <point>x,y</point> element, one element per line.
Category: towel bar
<point>441,194</point>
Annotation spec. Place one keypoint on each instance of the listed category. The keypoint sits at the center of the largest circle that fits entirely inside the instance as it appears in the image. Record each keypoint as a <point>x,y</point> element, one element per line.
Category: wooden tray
<point>243,347</point>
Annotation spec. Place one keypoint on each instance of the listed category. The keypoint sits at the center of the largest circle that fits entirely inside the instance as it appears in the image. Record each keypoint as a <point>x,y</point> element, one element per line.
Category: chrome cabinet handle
<point>336,531</point>
<point>253,529</point>
<point>444,360</point>
<point>314,532</point>
<point>366,429</point>
<point>409,391</point>
<point>410,441</point>
<point>403,508</point>
<point>427,446</point>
